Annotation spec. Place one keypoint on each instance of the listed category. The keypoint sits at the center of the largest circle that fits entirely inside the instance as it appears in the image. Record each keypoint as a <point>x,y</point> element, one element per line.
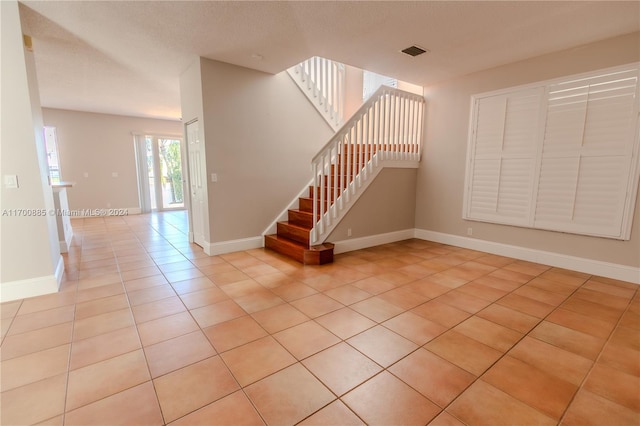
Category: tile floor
<point>147,329</point>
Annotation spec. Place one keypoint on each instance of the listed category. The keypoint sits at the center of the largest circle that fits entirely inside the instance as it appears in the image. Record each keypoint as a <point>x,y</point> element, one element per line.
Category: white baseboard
<point>21,289</point>
<point>580,264</point>
<point>372,240</point>
<point>213,249</point>
<point>65,244</point>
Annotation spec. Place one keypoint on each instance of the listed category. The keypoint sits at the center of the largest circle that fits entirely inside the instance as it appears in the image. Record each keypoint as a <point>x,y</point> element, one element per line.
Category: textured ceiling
<point>126,57</point>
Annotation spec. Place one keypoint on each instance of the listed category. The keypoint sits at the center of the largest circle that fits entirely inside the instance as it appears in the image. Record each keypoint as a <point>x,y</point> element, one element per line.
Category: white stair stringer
<point>355,189</point>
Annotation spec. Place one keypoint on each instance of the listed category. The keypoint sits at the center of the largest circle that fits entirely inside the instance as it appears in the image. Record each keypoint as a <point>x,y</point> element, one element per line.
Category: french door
<point>162,179</point>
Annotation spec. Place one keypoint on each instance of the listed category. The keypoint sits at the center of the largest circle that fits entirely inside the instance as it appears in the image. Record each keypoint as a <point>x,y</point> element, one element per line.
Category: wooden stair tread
<point>315,255</point>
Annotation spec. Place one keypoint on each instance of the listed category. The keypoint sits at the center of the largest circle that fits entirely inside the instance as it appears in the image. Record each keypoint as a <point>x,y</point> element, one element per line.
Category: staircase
<point>386,131</point>
<point>292,238</point>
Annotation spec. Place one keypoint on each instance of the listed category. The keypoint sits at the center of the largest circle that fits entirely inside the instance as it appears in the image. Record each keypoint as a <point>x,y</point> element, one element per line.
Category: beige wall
<point>29,244</point>
<point>440,185</point>
<point>353,91</point>
<point>100,144</point>
<point>387,205</point>
<point>260,136</point>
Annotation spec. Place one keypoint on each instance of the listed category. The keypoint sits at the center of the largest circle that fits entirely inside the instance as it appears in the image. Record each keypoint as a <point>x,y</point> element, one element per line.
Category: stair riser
<point>319,255</point>
<point>289,251</point>
<point>301,218</point>
<point>295,234</point>
<point>306,204</point>
<point>328,193</point>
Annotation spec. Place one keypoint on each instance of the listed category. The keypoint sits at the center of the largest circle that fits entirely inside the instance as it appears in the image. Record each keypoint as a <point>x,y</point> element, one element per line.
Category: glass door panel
<point>163,175</point>
<point>170,162</point>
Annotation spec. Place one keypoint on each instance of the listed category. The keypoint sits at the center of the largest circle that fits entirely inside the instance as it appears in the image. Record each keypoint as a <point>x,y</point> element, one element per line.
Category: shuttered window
<point>560,155</point>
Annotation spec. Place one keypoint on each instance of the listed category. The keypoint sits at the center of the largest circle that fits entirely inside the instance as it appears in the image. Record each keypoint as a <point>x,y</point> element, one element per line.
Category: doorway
<point>160,173</point>
<point>197,179</point>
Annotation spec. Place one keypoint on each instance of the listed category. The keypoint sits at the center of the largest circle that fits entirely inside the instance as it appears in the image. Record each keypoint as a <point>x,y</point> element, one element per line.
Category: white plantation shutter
<point>579,175</point>
<point>504,157</point>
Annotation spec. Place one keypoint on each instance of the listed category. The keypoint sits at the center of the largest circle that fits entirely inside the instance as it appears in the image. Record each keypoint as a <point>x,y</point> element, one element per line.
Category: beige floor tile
<point>509,318</point>
<point>35,402</point>
<point>441,313</point>
<point>347,294</point>
<point>621,357</point>
<point>234,333</point>
<point>483,404</point>
<point>184,390</point>
<point>589,409</point>
<point>234,409</point>
<point>386,400</point>
<point>151,294</point>
<point>104,346</point>
<point>209,315</point>
<point>256,360</point>
<point>432,376</point>
<point>466,353</point>
<point>201,298</point>
<point>341,368</point>
<point>103,323</point>
<point>42,319</point>
<point>158,309</point>
<point>165,328</point>
<point>552,360</point>
<point>49,301</point>
<point>137,405</point>
<point>279,317</point>
<point>33,367</point>
<point>102,305</point>
<point>34,341</point>
<point>414,327</point>
<point>195,284</point>
<point>317,305</point>
<point>345,322</point>
<point>178,352</point>
<point>536,388</point>
<point>306,339</point>
<point>377,309</point>
<point>574,341</point>
<point>489,333</point>
<point>382,345</point>
<point>258,301</point>
<point>615,385</point>
<point>105,378</point>
<point>333,414</point>
<point>288,396</point>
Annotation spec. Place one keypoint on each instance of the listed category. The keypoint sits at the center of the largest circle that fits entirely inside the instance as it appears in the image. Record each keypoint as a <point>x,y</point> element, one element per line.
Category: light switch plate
<point>10,181</point>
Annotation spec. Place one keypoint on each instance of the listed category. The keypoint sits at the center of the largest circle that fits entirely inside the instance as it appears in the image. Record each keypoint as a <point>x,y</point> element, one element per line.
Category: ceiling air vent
<point>414,50</point>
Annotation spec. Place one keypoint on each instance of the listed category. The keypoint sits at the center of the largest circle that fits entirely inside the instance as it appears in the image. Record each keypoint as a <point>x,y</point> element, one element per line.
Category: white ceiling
<point>126,57</point>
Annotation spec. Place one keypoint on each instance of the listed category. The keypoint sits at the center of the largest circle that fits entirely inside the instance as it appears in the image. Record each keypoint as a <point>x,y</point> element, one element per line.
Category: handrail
<point>323,80</point>
<point>388,126</point>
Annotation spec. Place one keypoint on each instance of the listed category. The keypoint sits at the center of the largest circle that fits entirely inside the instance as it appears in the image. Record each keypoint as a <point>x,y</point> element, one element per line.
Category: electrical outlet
<point>470,232</point>
<point>349,232</point>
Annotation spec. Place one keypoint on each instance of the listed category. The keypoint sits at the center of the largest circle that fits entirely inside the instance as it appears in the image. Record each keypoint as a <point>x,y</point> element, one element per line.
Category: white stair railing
<point>323,81</point>
<point>386,131</point>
